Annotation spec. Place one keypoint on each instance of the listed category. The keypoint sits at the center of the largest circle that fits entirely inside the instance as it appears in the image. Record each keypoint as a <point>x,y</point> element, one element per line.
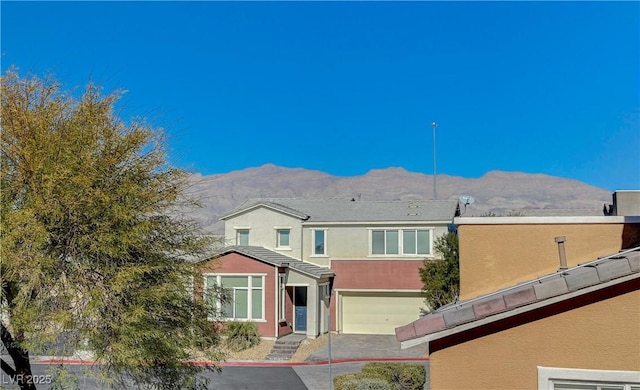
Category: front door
<point>300,304</point>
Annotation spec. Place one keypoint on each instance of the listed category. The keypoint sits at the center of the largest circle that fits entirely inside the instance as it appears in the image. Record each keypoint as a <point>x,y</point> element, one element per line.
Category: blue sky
<point>346,87</point>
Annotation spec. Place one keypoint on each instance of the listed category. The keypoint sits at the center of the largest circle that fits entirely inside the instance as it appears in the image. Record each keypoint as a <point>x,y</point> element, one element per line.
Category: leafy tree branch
<point>93,243</point>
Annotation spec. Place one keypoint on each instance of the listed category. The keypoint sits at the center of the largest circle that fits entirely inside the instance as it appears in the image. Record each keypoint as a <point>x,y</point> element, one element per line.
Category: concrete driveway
<point>359,347</point>
<point>350,352</point>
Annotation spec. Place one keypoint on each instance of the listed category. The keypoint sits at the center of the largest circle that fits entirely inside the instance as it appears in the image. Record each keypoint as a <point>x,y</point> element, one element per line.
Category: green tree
<point>93,245</point>
<point>441,278</point>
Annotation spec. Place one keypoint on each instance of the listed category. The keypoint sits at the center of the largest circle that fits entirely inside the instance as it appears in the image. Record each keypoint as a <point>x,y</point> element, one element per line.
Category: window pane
<point>227,310</point>
<point>423,242</point>
<point>283,237</point>
<point>377,242</point>
<point>409,242</point>
<point>241,303</point>
<point>256,281</point>
<point>574,386</point>
<point>256,304</point>
<point>234,281</point>
<point>392,242</point>
<point>318,242</point>
<point>243,237</point>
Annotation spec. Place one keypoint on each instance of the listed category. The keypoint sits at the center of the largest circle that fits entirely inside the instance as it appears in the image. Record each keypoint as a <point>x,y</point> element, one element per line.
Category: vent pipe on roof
<point>563,256</point>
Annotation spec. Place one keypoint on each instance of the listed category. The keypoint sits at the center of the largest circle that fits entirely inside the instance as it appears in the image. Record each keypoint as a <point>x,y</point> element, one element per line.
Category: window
<point>551,378</point>
<point>410,242</point>
<point>384,242</point>
<point>415,242</point>
<point>283,238</point>
<point>242,237</point>
<point>319,242</point>
<point>585,385</point>
<point>246,293</point>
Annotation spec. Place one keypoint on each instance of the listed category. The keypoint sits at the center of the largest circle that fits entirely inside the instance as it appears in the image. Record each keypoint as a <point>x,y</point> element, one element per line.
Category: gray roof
<point>559,286</point>
<point>347,210</point>
<point>276,259</point>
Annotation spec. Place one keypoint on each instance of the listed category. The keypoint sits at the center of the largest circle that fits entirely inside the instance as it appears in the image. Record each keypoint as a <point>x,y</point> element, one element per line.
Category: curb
<point>248,363</point>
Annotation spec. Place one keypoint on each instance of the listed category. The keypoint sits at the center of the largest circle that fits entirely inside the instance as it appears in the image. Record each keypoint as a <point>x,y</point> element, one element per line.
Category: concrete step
<point>283,349</point>
<point>285,342</point>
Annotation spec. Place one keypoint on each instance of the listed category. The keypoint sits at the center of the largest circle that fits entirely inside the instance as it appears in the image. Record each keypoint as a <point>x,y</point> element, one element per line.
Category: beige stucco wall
<point>263,224</point>
<point>602,336</point>
<point>494,256</point>
<point>352,241</point>
<point>342,241</point>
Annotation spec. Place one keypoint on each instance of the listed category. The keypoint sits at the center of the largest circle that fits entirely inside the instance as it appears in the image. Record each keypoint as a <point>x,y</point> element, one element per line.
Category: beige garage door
<point>379,313</point>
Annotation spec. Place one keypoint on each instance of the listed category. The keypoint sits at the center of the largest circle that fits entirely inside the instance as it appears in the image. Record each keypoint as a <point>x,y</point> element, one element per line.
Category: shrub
<point>360,381</point>
<point>380,376</point>
<point>340,380</point>
<point>367,384</point>
<point>241,335</point>
<point>403,376</point>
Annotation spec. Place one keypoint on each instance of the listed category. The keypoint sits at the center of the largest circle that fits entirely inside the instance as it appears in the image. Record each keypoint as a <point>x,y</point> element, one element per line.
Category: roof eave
<point>514,312</point>
<point>265,205</point>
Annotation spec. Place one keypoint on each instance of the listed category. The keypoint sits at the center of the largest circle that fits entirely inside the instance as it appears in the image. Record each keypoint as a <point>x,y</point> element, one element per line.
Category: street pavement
<point>349,353</point>
<point>231,378</point>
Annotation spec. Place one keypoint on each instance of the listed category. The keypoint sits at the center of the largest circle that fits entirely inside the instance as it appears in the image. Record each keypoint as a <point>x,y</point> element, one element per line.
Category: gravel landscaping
<point>260,352</point>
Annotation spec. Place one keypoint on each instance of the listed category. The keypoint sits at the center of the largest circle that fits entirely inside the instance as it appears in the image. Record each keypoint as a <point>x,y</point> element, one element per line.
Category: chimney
<point>563,256</point>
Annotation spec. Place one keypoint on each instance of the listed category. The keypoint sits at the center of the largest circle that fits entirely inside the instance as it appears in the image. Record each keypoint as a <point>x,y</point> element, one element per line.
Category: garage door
<point>379,313</point>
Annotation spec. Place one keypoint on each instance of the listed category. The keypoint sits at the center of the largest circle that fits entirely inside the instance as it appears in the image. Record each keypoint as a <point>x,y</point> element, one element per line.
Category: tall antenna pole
<point>435,193</point>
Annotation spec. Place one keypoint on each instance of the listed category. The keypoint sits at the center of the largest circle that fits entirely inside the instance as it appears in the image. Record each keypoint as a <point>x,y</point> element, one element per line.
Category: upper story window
<point>319,242</point>
<point>384,242</point>
<point>416,242</point>
<point>283,238</point>
<point>400,241</point>
<point>242,237</point>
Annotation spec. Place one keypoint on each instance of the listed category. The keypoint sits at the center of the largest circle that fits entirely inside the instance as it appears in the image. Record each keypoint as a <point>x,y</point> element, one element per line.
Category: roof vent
<point>561,252</point>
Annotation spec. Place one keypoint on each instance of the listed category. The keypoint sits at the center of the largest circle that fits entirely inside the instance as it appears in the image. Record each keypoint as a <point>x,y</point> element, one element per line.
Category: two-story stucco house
<point>546,303</point>
<point>298,265</point>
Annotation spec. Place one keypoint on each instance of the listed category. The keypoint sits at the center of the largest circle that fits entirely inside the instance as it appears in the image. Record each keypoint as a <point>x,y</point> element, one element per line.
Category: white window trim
<point>400,242</point>
<point>313,243</point>
<point>548,375</point>
<point>278,229</point>
<point>249,296</point>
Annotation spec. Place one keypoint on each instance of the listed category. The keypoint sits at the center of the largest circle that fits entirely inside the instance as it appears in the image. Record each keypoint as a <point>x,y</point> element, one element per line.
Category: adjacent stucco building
<point>545,302</point>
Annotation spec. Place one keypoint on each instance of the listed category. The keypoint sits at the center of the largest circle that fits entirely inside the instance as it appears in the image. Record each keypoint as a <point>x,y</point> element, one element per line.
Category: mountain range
<point>496,192</point>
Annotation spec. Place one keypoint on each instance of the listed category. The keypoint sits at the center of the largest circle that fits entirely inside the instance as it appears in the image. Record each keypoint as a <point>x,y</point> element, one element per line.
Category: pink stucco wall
<point>235,263</point>
<point>377,274</point>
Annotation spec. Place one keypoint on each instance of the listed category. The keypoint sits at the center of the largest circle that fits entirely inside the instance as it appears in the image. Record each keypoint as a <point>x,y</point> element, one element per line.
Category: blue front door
<point>300,303</point>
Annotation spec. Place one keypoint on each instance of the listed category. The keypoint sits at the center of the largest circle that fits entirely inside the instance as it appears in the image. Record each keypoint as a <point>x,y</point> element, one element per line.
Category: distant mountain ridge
<point>497,192</point>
